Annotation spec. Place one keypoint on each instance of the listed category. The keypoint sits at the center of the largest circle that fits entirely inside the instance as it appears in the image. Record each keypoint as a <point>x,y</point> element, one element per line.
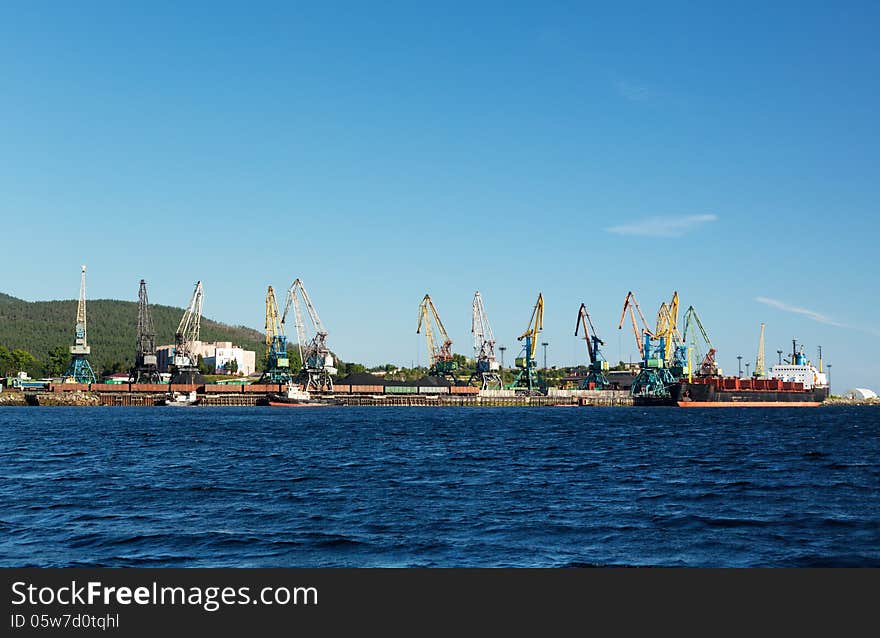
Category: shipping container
<point>463,389</point>
<point>109,387</point>
<point>433,390</point>
<point>149,387</point>
<point>401,389</point>
<point>73,387</point>
<point>497,394</point>
<point>222,388</point>
<point>182,387</point>
<point>367,389</point>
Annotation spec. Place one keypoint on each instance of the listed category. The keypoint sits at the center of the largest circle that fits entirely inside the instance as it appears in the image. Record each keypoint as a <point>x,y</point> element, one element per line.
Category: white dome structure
<point>860,394</point>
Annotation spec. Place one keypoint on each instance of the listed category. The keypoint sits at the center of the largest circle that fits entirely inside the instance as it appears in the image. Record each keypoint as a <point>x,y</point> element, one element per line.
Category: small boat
<point>182,399</point>
<point>294,397</point>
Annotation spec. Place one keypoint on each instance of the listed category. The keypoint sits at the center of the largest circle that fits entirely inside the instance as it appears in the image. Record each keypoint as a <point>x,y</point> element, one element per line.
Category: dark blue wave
<point>405,487</point>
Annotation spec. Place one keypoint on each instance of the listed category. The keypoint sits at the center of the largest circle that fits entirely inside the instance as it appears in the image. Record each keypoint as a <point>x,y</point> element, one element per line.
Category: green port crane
<point>442,362</point>
<point>697,340</point>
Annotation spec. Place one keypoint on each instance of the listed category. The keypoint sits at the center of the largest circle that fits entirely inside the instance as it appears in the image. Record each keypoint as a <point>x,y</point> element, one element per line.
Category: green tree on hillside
<point>56,362</point>
<point>22,361</point>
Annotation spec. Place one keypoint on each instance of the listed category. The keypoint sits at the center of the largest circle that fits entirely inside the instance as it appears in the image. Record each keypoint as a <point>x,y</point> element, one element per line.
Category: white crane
<point>317,361</point>
<point>488,371</point>
<point>185,355</point>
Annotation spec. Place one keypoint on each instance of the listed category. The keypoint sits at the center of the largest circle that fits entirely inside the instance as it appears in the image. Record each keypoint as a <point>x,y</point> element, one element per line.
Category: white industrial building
<point>216,355</point>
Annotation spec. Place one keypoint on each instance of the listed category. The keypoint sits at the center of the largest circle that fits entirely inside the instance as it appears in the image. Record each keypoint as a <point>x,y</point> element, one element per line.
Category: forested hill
<point>41,326</point>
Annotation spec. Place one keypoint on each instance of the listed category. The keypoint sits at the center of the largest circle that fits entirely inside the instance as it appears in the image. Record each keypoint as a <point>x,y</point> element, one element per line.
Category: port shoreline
<point>598,398</point>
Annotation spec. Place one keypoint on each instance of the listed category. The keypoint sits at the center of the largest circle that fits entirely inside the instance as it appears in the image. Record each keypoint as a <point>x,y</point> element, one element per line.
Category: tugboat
<point>182,399</point>
<point>294,396</point>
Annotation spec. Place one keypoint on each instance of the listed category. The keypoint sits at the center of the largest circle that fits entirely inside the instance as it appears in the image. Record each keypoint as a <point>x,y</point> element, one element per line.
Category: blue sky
<point>380,151</point>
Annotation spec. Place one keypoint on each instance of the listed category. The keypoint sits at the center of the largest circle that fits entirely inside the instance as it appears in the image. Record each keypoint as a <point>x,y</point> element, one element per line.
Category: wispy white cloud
<point>662,226</point>
<point>812,314</point>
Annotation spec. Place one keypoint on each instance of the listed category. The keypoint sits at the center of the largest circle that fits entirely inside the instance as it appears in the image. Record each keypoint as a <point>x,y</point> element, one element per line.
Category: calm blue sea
<point>399,487</point>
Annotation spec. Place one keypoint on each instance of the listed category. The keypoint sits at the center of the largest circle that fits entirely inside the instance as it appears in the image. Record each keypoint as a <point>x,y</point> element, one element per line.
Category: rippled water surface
<point>439,487</point>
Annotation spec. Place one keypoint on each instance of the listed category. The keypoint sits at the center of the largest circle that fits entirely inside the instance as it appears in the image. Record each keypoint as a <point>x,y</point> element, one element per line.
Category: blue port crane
<point>277,362</point>
<point>598,366</point>
<point>79,370</point>
<point>527,379</point>
<point>654,378</point>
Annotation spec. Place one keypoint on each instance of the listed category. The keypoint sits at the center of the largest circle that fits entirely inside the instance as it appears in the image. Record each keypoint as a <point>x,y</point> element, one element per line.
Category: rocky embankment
<point>845,401</point>
<point>12,398</point>
<point>66,398</point>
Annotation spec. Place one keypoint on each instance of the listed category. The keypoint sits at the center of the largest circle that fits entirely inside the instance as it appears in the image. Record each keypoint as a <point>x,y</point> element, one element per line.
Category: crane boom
<point>527,378</point>
<point>760,367</point>
<point>145,364</point>
<point>188,330</point>
<point>79,370</point>
<point>589,333</point>
<point>317,361</point>
<point>277,363</point>
<point>484,338</point>
<point>706,356</point>
<point>440,355</point>
<point>629,303</point>
<point>487,370</point>
<point>598,365</point>
<point>536,325</point>
<point>427,312</point>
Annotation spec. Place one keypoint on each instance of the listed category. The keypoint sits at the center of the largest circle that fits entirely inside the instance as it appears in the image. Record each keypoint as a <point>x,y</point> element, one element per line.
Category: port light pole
<point>502,349</point>
<point>747,369</point>
<point>740,358</point>
<point>545,344</point>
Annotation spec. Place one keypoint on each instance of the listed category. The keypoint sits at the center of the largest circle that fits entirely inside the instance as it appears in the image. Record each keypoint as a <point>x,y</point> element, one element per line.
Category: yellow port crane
<point>527,378</point>
<point>440,356</point>
<point>760,366</point>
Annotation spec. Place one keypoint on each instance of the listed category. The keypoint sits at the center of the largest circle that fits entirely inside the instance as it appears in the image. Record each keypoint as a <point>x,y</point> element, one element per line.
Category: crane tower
<point>654,378</point>
<point>697,340</point>
<point>443,364</point>
<point>277,363</point>
<point>760,366</point>
<point>487,371</point>
<point>79,370</point>
<point>185,367</point>
<point>595,378</point>
<point>527,378</point>
<point>317,360</point>
<point>145,369</point>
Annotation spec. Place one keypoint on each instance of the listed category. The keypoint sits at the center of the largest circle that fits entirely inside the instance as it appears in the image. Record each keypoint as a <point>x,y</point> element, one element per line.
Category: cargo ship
<point>796,383</point>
